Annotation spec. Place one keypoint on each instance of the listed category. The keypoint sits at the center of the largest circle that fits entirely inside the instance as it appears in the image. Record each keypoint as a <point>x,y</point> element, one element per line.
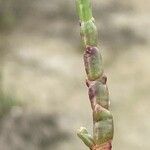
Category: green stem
<point>88,28</point>
<point>96,82</point>
<point>84,9</point>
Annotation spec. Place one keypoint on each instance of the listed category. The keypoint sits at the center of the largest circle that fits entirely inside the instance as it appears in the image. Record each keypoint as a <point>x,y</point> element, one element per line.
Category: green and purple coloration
<point>93,63</point>
<point>96,83</point>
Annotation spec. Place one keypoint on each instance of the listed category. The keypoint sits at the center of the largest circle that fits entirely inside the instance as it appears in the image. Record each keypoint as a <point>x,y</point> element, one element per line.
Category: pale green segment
<point>102,94</point>
<point>89,32</point>
<point>103,126</point>
<point>103,131</point>
<point>95,66</point>
<point>84,9</point>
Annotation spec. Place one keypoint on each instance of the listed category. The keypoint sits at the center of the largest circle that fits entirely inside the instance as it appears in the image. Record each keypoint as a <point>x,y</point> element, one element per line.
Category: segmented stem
<point>96,83</point>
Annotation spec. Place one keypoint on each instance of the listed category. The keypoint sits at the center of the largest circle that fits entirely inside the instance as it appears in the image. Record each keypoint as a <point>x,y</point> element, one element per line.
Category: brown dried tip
<point>103,79</point>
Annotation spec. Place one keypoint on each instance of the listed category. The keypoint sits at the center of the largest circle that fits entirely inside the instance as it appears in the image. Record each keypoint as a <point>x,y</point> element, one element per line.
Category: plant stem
<point>96,83</point>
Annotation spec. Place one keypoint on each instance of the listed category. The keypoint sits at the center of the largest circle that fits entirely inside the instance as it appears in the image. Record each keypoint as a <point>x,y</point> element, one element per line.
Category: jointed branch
<point>96,83</point>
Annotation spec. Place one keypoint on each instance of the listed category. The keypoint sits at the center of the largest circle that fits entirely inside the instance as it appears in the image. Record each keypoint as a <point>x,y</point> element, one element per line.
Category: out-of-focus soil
<point>42,66</point>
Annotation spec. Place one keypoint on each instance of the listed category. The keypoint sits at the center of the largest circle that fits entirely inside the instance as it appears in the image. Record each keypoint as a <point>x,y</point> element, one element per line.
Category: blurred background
<point>43,97</point>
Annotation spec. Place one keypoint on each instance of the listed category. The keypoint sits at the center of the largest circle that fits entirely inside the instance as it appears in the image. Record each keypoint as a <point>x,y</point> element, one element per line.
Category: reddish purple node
<point>91,93</point>
<point>91,50</point>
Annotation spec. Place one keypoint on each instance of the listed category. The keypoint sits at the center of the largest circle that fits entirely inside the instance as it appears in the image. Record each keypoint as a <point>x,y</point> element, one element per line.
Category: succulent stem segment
<point>96,83</point>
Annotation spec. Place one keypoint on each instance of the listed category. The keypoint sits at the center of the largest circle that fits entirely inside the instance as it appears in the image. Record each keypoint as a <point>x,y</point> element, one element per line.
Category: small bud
<point>85,137</point>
